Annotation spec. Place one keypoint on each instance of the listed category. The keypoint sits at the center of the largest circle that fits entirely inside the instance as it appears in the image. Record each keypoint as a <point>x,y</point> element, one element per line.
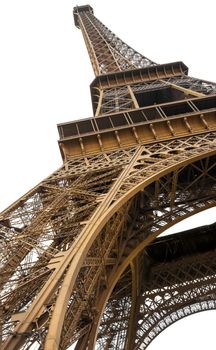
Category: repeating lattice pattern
<point>172,291</point>
<point>44,226</point>
<point>74,249</point>
<point>107,52</point>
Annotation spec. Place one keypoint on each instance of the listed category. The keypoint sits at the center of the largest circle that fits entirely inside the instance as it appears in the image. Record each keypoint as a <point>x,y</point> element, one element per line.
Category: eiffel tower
<point>81,260</point>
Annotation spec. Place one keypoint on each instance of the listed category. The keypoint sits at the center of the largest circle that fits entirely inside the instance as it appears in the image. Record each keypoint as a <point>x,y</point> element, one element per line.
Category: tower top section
<point>107,52</point>
<point>79,9</point>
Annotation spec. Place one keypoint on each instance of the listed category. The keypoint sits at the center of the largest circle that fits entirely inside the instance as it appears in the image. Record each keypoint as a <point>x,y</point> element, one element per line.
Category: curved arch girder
<point>162,219</point>
<point>146,165</point>
<point>174,290</point>
<point>153,178</point>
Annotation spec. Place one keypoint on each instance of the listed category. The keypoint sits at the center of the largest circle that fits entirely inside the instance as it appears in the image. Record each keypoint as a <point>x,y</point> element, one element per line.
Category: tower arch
<point>145,161</point>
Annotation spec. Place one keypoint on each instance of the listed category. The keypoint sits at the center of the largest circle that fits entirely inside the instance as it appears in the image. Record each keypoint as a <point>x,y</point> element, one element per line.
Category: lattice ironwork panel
<point>79,252</point>
<point>107,52</point>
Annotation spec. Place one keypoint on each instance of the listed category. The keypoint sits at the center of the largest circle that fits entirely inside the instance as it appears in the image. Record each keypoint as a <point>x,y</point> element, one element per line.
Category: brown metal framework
<point>80,259</point>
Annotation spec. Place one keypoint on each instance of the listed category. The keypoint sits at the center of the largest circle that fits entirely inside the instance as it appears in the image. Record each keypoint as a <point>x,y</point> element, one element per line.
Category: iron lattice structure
<point>80,259</point>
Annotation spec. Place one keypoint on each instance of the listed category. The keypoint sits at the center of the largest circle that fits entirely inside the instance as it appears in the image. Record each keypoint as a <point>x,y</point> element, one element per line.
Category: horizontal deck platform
<point>139,126</point>
<point>135,76</point>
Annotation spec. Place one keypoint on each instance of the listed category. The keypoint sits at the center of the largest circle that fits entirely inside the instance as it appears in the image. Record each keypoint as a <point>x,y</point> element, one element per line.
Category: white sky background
<point>44,80</point>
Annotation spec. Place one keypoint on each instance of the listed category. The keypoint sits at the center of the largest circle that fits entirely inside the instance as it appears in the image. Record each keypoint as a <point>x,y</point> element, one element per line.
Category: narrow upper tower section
<point>107,52</point>
<point>135,101</point>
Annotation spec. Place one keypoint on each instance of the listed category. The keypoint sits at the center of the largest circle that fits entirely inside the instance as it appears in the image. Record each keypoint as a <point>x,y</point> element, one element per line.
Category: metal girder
<point>107,52</point>
<point>108,189</point>
<point>75,248</point>
<point>181,287</point>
